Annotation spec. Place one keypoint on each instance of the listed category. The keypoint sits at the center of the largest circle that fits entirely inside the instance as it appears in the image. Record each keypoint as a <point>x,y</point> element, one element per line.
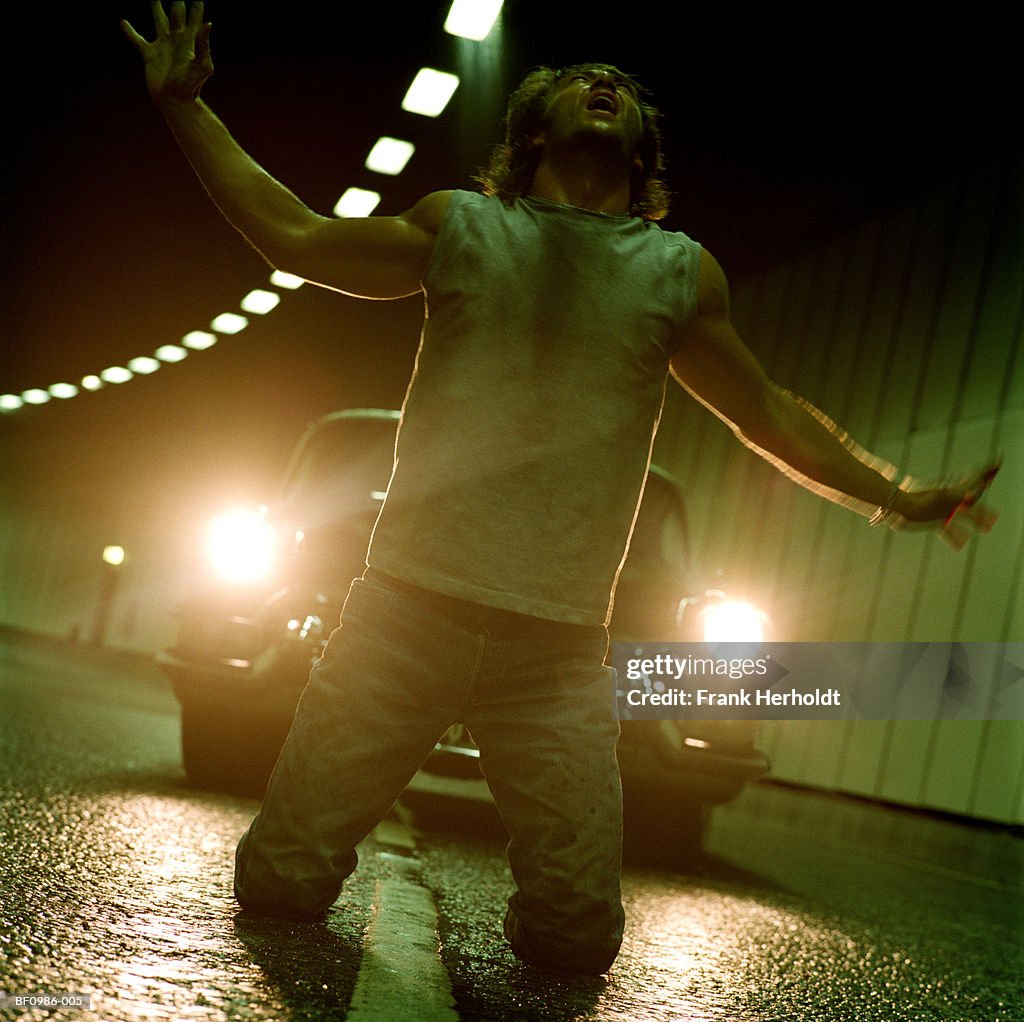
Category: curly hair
<point>511,168</point>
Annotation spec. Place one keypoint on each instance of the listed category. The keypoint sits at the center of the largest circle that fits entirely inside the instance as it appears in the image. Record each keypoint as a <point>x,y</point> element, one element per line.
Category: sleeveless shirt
<point>527,426</point>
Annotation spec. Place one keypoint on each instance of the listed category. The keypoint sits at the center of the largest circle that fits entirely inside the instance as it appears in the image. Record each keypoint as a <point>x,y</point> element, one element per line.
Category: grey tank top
<point>527,427</point>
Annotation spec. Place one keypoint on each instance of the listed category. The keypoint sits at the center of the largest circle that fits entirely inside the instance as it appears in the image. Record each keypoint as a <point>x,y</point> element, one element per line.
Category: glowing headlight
<point>733,621</point>
<point>713,617</point>
<point>241,544</point>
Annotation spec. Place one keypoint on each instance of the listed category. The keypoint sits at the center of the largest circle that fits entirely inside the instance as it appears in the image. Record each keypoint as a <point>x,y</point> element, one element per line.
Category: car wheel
<point>662,828</point>
<point>225,752</point>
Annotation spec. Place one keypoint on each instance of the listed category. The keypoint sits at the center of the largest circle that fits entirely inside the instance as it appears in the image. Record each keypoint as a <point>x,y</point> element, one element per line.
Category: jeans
<point>402,667</point>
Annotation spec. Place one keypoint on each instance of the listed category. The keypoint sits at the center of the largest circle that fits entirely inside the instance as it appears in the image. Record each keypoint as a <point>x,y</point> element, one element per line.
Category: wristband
<point>885,511</point>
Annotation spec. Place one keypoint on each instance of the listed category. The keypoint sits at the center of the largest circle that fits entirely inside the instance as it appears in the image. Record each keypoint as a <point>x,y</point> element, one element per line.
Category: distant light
<point>286,280</point>
<point>35,396</point>
<point>144,365</point>
<point>356,202</point>
<point>116,374</point>
<point>171,353</point>
<point>199,340</point>
<point>113,555</point>
<point>91,382</point>
<point>472,19</point>
<point>260,302</point>
<point>10,402</point>
<point>389,155</point>
<point>229,323</point>
<point>63,390</point>
<point>430,92</point>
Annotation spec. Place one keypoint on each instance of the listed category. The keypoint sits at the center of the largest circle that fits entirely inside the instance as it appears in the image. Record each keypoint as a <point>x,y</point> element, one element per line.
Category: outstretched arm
<point>719,370</point>
<point>378,257</point>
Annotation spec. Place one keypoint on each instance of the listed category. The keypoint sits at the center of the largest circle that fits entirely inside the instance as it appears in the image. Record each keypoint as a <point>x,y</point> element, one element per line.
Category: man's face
<point>594,102</point>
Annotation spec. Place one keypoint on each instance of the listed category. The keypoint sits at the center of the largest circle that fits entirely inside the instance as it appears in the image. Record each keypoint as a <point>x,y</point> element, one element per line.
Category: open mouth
<point>603,101</point>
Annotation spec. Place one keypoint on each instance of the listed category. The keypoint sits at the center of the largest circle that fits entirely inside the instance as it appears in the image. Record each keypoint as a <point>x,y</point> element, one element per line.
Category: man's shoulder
<point>671,236</point>
<point>676,247</point>
<point>429,212</point>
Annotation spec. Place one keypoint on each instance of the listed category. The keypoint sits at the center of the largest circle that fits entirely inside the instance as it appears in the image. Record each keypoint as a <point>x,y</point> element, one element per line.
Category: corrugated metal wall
<point>907,330</point>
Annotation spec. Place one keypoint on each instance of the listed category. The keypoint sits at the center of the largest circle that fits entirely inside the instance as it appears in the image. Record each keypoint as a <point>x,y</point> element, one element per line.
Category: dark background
<point>782,128</point>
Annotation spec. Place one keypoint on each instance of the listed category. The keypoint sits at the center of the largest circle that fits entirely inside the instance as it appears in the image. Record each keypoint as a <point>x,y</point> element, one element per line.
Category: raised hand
<point>178,60</point>
<point>953,509</point>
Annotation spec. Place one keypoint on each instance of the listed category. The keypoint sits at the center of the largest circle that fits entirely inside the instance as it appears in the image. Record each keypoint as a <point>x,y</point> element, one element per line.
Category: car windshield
<point>340,468</point>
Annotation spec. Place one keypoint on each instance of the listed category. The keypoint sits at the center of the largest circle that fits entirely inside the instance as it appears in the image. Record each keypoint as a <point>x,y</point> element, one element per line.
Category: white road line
<point>401,975</point>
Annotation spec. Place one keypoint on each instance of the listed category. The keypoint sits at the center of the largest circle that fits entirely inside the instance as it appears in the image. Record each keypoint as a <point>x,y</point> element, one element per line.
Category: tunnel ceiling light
<point>10,402</point>
<point>171,353</point>
<point>229,323</point>
<point>259,302</point>
<point>389,155</point>
<point>199,340</point>
<point>91,382</point>
<point>356,202</point>
<point>63,390</point>
<point>286,280</point>
<point>472,19</point>
<point>116,374</point>
<point>430,91</point>
<point>35,396</point>
<point>144,365</point>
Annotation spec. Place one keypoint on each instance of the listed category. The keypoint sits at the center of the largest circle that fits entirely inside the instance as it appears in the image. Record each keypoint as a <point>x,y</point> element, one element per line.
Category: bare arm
<point>377,257</point>
<point>719,370</point>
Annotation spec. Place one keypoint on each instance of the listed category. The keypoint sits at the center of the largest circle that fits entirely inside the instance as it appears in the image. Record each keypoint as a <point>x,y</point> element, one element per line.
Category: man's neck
<point>583,186</point>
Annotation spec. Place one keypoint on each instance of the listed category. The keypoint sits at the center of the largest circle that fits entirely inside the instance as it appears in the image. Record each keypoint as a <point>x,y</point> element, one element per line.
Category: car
<point>272,588</point>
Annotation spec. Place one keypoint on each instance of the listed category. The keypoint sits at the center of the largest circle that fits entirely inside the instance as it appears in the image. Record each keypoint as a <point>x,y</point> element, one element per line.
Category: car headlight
<point>713,617</point>
<point>241,545</point>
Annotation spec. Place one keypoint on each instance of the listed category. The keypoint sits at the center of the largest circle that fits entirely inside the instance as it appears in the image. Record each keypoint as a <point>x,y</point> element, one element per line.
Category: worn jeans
<point>402,667</point>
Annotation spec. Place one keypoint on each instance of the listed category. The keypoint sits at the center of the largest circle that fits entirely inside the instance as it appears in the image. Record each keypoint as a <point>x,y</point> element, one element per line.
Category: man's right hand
<point>178,60</point>
<point>370,257</point>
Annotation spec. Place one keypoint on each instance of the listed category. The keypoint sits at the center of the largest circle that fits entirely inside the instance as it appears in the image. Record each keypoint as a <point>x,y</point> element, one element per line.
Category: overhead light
<point>199,340</point>
<point>260,302</point>
<point>10,402</point>
<point>171,353</point>
<point>144,365</point>
<point>229,323</point>
<point>430,92</point>
<point>286,280</point>
<point>356,202</point>
<point>35,396</point>
<point>116,374</point>
<point>389,155</point>
<point>472,19</point>
<point>63,390</point>
<point>91,382</point>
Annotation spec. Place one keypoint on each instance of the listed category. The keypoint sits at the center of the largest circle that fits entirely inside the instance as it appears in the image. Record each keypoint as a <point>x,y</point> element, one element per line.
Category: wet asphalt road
<point>115,882</point>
